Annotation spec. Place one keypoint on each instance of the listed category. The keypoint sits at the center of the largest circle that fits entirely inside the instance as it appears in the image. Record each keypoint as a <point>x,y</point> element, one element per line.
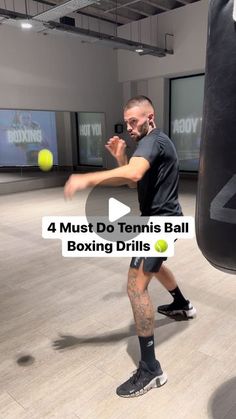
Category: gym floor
<point>67,336</point>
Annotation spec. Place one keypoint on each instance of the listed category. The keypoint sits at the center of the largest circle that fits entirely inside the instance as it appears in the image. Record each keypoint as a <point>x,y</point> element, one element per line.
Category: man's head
<point>25,118</point>
<point>139,117</point>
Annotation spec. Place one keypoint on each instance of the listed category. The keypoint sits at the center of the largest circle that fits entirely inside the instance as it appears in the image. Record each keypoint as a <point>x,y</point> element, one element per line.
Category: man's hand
<point>116,146</point>
<point>75,183</point>
<point>132,172</point>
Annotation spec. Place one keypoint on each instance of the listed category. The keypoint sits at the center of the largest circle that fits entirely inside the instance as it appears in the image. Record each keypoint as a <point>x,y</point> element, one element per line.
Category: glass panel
<point>91,131</point>
<point>186,119</point>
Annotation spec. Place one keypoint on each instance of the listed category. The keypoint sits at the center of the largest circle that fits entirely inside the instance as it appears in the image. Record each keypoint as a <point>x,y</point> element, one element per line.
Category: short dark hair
<point>137,100</point>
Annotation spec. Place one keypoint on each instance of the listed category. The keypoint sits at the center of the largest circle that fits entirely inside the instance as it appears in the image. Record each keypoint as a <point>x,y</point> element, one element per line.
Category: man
<point>154,166</point>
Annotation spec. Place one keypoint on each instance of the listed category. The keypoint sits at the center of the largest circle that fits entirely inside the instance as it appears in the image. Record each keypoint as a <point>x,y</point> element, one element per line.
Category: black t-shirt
<point>158,189</point>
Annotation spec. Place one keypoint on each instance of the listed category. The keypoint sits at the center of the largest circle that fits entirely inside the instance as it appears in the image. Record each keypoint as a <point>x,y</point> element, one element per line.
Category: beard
<point>143,131</point>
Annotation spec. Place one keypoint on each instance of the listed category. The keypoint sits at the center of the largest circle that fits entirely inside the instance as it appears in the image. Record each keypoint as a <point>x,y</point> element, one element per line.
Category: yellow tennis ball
<point>161,246</point>
<point>45,159</point>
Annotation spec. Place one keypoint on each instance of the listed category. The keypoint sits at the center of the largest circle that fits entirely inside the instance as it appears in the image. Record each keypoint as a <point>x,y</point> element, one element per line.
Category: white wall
<point>189,26</point>
<point>58,73</point>
<point>55,72</point>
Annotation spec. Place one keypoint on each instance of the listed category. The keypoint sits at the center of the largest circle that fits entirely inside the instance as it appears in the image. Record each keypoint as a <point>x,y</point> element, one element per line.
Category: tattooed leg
<point>140,301</point>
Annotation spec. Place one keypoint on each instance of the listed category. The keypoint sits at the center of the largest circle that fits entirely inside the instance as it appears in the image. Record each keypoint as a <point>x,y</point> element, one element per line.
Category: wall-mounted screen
<point>91,131</point>
<point>186,107</point>
<point>23,133</point>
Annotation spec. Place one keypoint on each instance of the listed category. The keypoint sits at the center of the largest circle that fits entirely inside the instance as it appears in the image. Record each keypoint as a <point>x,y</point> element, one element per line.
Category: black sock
<point>178,297</point>
<point>147,351</point>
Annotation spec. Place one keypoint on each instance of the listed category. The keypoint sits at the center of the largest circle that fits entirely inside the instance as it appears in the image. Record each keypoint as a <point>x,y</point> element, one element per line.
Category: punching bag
<point>216,195</point>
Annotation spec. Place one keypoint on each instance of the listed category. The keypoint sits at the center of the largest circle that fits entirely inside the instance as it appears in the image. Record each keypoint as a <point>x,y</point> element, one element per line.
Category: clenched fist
<point>75,183</point>
<point>116,146</point>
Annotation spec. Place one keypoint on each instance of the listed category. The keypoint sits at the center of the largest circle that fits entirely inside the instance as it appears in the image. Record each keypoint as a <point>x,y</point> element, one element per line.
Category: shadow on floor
<point>222,404</point>
<point>172,327</point>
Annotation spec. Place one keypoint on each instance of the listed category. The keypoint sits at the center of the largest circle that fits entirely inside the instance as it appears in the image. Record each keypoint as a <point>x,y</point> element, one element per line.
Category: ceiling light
<point>26,25</point>
<point>139,50</point>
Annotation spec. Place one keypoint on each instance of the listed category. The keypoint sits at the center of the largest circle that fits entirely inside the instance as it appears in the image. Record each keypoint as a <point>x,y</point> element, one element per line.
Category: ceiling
<point>47,16</point>
<point>121,12</point>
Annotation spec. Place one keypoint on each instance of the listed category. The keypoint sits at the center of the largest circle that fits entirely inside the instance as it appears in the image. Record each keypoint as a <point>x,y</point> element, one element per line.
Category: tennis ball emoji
<point>161,246</point>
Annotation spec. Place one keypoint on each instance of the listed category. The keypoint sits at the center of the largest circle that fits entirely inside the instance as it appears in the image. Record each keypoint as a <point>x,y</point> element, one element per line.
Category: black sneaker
<point>187,311</point>
<point>141,381</point>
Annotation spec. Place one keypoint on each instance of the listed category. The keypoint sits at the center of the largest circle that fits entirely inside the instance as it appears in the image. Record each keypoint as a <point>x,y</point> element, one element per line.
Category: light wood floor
<point>73,318</point>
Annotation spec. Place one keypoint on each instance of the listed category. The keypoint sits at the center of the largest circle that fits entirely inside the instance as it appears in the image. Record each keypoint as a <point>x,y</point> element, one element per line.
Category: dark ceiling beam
<point>114,41</point>
<point>48,3</point>
<point>108,19</point>
<point>184,2</point>
<point>11,14</point>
